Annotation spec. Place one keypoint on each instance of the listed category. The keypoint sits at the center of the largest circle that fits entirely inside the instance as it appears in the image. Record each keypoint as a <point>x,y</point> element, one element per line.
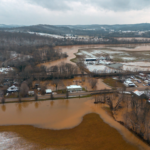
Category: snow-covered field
<point>119,48</point>
<point>45,34</point>
<point>97,53</point>
<point>134,68</point>
<point>116,55</point>
<point>86,54</point>
<point>137,66</point>
<point>141,64</point>
<point>136,48</point>
<point>128,58</point>
<point>126,67</point>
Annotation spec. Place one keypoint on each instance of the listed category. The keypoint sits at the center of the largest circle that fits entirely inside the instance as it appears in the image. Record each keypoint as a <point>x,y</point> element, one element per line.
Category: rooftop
<point>138,93</point>
<point>115,66</point>
<point>74,87</point>
<point>48,91</point>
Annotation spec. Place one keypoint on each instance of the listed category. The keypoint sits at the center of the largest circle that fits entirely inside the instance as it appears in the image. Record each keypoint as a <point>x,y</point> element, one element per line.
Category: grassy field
<point>113,83</point>
<point>91,134</point>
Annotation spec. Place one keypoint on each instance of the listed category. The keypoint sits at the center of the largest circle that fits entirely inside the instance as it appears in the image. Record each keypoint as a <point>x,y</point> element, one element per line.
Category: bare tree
<point>55,82</point>
<point>51,96</point>
<point>24,89</point>
<point>3,100</point>
<point>43,88</point>
<point>67,94</point>
<point>36,97</point>
<point>93,82</point>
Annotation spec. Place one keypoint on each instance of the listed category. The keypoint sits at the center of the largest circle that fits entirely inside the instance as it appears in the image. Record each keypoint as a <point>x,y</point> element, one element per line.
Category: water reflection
<point>52,103</point>
<point>25,105</point>
<point>36,105</point>
<point>3,108</point>
<point>67,102</point>
<point>19,107</point>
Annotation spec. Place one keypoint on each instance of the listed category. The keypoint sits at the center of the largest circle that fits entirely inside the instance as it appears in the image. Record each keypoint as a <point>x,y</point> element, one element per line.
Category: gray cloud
<point>52,4</point>
<point>114,5</point>
<point>121,5</point>
<point>29,12</point>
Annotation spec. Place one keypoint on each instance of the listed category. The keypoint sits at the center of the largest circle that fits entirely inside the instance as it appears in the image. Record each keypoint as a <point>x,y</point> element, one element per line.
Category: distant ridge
<point>93,29</point>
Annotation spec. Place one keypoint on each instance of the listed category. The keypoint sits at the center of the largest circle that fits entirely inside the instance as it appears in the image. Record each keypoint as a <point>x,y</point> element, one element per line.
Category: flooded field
<point>60,125</point>
<point>67,124</point>
<point>128,51</point>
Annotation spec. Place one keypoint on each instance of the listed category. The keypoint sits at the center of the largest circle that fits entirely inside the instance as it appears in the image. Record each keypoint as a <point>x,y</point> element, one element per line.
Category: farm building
<point>90,59</point>
<point>48,91</point>
<point>74,88</point>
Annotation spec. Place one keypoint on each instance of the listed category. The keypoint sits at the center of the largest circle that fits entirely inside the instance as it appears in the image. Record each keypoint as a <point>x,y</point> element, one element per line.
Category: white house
<point>72,88</point>
<point>48,91</point>
<point>12,89</point>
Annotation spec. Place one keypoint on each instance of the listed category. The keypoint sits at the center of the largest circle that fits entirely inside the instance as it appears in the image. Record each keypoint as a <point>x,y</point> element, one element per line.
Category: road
<point>71,95</point>
<point>57,96</point>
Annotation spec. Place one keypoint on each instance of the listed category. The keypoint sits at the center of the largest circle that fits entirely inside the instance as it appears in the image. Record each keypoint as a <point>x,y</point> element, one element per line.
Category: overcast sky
<point>71,12</point>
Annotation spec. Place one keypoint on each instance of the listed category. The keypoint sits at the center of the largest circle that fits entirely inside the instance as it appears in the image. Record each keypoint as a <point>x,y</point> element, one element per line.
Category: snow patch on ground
<point>45,34</point>
<point>94,53</point>
<point>99,69</point>
<point>11,141</point>
<point>135,68</point>
<point>142,64</point>
<point>128,58</point>
<point>79,54</point>
<point>87,54</point>
<point>97,52</point>
<point>119,48</point>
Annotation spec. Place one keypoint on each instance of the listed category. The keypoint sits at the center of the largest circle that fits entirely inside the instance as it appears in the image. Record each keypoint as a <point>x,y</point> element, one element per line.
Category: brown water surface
<point>58,115</point>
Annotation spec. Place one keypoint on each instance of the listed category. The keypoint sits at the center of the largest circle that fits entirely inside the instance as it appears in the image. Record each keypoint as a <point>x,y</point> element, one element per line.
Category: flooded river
<point>59,115</point>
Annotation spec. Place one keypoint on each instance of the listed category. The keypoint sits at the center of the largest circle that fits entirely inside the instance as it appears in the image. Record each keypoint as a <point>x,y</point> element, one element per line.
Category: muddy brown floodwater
<point>66,117</point>
<point>66,124</point>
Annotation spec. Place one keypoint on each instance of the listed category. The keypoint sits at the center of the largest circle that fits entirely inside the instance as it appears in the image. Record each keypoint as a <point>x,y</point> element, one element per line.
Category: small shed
<point>72,88</point>
<point>48,91</point>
